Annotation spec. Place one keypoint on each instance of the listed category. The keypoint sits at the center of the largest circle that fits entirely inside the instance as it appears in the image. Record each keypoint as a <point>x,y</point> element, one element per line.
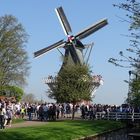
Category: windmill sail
<point>44,50</point>
<point>63,20</point>
<point>88,31</point>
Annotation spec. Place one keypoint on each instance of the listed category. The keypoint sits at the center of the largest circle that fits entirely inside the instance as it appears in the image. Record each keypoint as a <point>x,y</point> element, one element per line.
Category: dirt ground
<point>27,124</point>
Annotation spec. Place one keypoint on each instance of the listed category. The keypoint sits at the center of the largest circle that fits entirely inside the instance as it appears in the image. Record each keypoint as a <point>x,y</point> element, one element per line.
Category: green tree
<point>74,83</point>
<point>134,96</point>
<point>14,63</point>
<point>18,92</point>
<point>12,91</point>
<point>132,7</point>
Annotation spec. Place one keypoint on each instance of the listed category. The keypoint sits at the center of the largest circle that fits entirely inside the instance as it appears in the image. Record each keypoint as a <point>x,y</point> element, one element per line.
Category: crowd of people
<point>30,111</point>
<point>54,111</point>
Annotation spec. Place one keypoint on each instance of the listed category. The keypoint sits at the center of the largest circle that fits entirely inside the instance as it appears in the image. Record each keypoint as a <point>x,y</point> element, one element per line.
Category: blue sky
<point>41,23</point>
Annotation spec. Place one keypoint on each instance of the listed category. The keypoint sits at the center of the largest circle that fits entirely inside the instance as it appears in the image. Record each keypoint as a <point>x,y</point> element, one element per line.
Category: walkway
<point>27,124</point>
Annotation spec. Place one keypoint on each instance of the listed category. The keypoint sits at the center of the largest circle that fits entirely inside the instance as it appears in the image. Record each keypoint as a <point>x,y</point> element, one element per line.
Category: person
<point>30,111</point>
<point>41,113</point>
<point>9,114</point>
<point>2,117</point>
<point>22,112</point>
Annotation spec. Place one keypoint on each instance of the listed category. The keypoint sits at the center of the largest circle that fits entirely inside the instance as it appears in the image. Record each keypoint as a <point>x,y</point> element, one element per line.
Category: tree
<point>12,91</point>
<point>18,92</point>
<point>14,63</point>
<point>30,98</point>
<point>74,83</point>
<point>132,7</point>
<point>134,95</point>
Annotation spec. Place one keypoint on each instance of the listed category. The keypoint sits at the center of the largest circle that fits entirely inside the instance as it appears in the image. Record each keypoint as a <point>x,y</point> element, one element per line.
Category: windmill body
<point>74,53</point>
<point>73,46</point>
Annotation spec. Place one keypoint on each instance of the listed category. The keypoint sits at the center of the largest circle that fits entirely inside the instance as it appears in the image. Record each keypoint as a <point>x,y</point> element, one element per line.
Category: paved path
<point>34,122</point>
<point>27,124</point>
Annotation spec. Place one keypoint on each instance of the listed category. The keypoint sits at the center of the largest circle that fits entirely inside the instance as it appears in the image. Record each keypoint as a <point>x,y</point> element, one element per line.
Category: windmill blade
<point>88,31</point>
<point>63,20</point>
<point>53,46</point>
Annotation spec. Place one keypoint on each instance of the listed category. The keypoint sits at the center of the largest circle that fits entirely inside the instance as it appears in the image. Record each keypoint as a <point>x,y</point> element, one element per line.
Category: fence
<point>117,116</point>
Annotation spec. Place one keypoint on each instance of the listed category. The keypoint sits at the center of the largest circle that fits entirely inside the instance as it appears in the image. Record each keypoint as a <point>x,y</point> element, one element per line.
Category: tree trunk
<point>73,111</point>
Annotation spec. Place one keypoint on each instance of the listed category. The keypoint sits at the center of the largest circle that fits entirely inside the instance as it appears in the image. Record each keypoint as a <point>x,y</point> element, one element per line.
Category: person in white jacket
<point>2,117</point>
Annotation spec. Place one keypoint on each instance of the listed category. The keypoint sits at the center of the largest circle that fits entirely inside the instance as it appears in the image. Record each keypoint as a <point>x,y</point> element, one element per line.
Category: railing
<point>50,80</point>
<point>97,79</point>
<point>117,116</point>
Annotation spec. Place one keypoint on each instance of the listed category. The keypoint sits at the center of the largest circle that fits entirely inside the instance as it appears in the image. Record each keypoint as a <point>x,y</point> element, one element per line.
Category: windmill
<point>73,45</point>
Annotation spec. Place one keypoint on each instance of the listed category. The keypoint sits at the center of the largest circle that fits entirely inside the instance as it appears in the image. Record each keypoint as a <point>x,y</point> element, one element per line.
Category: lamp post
<point>129,89</point>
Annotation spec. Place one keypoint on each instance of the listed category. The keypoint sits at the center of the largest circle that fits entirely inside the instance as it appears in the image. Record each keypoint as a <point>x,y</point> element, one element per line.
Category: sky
<point>40,21</point>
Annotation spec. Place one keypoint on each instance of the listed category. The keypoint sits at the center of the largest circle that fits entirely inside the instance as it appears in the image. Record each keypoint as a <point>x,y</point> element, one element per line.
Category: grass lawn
<point>17,121</point>
<point>59,130</point>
